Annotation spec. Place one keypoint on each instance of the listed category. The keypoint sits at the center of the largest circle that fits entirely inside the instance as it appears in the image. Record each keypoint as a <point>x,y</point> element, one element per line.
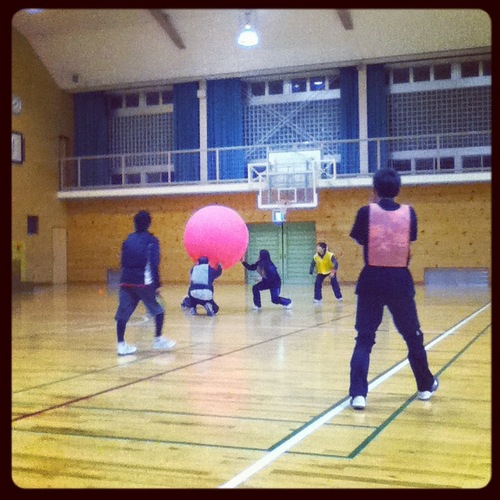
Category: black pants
<point>369,315</point>
<point>190,302</point>
<point>273,290</point>
<point>318,295</point>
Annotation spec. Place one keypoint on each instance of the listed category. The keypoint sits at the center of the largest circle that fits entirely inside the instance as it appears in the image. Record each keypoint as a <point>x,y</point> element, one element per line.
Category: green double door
<point>292,246</point>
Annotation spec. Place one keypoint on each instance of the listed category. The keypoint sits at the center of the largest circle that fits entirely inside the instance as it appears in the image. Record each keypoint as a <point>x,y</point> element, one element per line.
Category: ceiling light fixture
<point>248,36</point>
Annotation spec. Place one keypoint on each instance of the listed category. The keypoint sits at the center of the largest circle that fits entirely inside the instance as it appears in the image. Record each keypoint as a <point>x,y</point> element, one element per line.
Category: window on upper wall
<point>401,75</point>
<point>438,75</point>
<point>292,89</point>
<point>469,69</point>
<point>447,163</point>
<point>334,82</point>
<point>276,87</point>
<point>131,100</point>
<point>115,101</point>
<point>477,162</point>
<point>134,103</point>
<point>299,85</point>
<point>421,74</point>
<point>167,97</point>
<point>424,164</point>
<point>401,165</point>
<point>442,72</point>
<point>258,88</point>
<point>317,83</point>
<point>152,98</point>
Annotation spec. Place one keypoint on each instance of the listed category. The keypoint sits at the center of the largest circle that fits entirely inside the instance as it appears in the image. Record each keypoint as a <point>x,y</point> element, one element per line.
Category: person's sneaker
<point>256,308</point>
<point>340,300</point>
<point>316,301</point>
<point>123,349</point>
<point>358,403</point>
<point>163,343</point>
<point>192,311</point>
<point>210,309</point>
<point>288,306</point>
<point>426,395</point>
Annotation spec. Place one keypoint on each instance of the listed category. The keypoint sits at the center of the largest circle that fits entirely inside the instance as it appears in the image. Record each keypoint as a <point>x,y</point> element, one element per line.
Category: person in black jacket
<point>140,281</point>
<point>201,287</point>
<point>271,281</point>
<point>386,230</point>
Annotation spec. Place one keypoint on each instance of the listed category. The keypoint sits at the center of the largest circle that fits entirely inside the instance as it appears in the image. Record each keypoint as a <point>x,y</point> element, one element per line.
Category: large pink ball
<point>216,232</point>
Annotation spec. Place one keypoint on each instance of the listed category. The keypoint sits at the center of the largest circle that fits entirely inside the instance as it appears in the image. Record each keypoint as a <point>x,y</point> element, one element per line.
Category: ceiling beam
<point>345,18</point>
<point>165,22</point>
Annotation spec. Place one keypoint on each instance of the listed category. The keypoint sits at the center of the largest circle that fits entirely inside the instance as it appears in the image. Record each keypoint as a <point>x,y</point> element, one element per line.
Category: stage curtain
<point>377,114</point>
<point>225,127</point>
<point>186,131</point>
<point>349,120</point>
<point>92,138</point>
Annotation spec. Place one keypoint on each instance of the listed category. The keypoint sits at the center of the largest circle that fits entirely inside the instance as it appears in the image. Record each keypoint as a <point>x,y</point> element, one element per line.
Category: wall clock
<point>17,105</point>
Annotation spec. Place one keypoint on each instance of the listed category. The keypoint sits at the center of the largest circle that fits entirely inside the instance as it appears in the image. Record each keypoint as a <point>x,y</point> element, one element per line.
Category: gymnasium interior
<point>171,110</point>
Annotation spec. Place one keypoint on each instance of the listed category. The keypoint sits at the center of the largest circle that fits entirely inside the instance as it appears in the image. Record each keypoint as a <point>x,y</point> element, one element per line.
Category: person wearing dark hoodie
<point>201,287</point>
<point>271,281</point>
<point>140,281</point>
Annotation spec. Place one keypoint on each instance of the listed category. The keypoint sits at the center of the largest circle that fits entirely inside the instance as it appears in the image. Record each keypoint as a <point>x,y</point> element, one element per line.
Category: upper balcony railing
<point>412,155</point>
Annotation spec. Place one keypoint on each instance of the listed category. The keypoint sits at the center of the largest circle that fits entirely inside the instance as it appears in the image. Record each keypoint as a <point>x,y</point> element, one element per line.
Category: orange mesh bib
<point>389,236</point>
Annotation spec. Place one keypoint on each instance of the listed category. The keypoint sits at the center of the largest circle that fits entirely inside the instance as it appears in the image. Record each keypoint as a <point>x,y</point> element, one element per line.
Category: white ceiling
<point>85,49</point>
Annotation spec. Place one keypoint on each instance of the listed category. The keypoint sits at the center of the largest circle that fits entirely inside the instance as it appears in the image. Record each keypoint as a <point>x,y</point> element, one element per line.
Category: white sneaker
<point>316,301</point>
<point>123,349</point>
<point>289,306</point>
<point>426,395</point>
<point>163,344</point>
<point>256,308</point>
<point>358,403</point>
<point>340,300</point>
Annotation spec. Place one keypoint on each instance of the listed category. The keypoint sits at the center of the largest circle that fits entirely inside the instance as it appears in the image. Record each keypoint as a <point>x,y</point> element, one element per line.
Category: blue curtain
<point>186,131</point>
<point>91,137</point>
<point>349,120</point>
<point>225,127</point>
<point>377,114</point>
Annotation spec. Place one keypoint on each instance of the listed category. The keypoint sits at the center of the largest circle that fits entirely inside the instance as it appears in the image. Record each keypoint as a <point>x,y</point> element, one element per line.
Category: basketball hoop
<point>288,183</point>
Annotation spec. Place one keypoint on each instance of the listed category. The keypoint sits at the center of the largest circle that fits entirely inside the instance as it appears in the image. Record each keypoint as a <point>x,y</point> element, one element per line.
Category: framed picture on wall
<point>17,147</point>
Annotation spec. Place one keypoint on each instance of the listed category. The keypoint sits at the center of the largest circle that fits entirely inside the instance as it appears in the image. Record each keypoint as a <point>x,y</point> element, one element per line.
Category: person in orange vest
<point>385,229</point>
<point>326,265</point>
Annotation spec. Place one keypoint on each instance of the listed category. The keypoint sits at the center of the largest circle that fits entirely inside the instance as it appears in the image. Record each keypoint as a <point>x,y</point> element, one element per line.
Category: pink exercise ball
<point>218,233</point>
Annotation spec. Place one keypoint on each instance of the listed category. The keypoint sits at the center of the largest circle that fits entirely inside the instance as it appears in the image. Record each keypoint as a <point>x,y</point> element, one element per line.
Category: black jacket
<point>140,260</point>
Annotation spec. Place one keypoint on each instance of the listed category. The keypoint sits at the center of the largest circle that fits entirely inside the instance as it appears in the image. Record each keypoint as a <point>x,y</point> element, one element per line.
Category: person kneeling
<point>201,287</point>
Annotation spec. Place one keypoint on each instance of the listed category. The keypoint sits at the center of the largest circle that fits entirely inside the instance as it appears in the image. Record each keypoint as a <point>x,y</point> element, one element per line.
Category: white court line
<point>296,438</point>
<point>131,322</point>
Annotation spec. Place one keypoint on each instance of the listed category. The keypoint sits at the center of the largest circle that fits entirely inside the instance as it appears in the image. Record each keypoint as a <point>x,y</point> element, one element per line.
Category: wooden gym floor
<point>248,399</point>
